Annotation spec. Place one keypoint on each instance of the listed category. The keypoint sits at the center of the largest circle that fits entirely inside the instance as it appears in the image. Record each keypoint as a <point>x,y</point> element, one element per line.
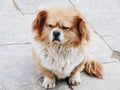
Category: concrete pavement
<point>17,69</point>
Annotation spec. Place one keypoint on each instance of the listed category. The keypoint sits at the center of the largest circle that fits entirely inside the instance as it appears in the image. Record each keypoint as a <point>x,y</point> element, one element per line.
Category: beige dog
<point>60,46</point>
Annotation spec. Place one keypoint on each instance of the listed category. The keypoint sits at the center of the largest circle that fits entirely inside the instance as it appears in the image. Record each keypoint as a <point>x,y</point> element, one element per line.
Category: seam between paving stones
<point>71,3</point>
<point>30,13</point>
<point>16,6</point>
<point>101,38</point>
<point>110,62</point>
<point>14,44</point>
<point>24,85</point>
<point>118,35</point>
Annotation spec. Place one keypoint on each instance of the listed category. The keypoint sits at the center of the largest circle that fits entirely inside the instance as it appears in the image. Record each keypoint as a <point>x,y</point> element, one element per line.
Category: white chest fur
<point>58,59</point>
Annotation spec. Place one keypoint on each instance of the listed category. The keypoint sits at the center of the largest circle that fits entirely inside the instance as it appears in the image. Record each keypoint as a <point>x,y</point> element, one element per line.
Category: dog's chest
<point>60,60</point>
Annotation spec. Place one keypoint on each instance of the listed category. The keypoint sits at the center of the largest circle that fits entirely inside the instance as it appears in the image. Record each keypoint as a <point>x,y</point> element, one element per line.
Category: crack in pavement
<point>17,7</point>
<point>115,35</point>
<point>110,62</point>
<point>14,43</point>
<point>71,3</point>
<point>102,39</point>
<point>30,83</point>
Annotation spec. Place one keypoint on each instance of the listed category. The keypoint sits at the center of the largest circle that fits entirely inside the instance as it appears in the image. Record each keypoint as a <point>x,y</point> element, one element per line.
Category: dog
<point>60,44</point>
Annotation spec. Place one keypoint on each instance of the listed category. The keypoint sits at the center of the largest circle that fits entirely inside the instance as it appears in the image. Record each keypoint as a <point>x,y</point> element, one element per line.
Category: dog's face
<point>60,25</point>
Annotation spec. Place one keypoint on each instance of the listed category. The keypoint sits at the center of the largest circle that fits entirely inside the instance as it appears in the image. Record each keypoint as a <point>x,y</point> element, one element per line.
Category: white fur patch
<point>58,59</point>
<point>48,82</point>
<point>75,79</point>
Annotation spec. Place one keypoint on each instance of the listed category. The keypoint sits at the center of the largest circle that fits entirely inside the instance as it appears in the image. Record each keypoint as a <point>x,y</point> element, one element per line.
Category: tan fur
<point>80,24</point>
<point>79,68</point>
<point>75,36</point>
<point>58,17</point>
<point>38,24</point>
<point>93,67</point>
<point>42,69</point>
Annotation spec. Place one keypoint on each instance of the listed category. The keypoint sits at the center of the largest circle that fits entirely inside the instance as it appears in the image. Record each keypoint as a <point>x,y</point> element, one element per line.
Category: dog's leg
<point>49,82</point>
<point>75,79</point>
<point>49,78</point>
<point>75,75</point>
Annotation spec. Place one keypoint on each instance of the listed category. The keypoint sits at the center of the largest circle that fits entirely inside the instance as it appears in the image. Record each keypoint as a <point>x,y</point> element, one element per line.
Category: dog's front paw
<point>49,82</point>
<point>75,79</point>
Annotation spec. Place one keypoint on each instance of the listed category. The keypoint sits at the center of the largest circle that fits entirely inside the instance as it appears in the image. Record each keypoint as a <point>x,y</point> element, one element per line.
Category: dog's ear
<point>81,27</point>
<point>39,21</point>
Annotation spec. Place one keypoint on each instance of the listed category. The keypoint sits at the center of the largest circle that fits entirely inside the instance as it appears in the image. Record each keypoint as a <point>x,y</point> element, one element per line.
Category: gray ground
<point>17,69</point>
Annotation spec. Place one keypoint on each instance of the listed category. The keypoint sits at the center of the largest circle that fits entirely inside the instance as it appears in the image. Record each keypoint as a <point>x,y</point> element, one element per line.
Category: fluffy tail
<point>93,68</point>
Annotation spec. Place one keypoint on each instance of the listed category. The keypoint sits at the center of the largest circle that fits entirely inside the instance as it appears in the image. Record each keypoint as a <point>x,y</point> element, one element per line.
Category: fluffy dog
<point>60,46</point>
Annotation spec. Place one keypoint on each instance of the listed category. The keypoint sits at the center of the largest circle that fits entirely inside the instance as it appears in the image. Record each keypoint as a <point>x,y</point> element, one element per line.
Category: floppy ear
<point>39,21</point>
<point>83,32</point>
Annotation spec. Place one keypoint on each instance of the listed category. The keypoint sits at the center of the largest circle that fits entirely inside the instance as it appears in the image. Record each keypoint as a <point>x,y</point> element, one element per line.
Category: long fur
<point>68,57</point>
<point>93,68</point>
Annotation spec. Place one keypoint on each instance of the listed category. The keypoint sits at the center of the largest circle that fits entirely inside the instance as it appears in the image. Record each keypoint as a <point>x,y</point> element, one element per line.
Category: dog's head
<point>60,25</point>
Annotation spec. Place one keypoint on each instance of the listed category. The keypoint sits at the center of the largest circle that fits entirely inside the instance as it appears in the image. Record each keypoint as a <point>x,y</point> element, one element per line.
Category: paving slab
<point>1,85</point>
<point>32,6</point>
<point>110,81</point>
<point>5,3</point>
<point>14,27</point>
<point>16,66</point>
<point>103,15</point>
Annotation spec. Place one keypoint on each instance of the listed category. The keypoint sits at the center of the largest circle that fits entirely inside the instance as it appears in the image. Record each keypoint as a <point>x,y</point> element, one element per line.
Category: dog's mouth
<point>56,42</point>
<point>56,39</point>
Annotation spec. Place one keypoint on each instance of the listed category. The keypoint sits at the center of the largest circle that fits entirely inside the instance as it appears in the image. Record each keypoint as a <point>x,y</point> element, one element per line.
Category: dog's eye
<point>50,25</point>
<point>65,28</point>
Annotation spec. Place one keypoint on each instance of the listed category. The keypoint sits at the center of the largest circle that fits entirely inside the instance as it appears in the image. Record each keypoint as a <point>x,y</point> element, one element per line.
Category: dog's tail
<point>93,68</point>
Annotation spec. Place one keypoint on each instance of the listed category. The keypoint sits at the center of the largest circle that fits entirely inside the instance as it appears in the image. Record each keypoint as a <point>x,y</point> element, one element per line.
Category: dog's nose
<point>56,33</point>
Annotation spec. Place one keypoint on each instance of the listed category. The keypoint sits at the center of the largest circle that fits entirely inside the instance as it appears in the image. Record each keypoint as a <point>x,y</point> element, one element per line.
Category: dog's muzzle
<point>56,35</point>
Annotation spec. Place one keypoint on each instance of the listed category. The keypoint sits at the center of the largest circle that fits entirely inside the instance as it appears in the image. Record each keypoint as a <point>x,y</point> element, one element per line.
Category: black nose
<point>56,33</point>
